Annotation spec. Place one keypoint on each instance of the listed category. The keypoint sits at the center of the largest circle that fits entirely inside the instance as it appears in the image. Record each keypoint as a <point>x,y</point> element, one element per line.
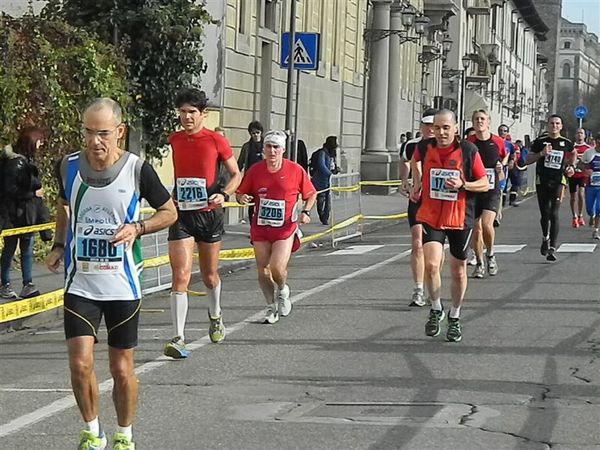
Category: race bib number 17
<point>437,184</point>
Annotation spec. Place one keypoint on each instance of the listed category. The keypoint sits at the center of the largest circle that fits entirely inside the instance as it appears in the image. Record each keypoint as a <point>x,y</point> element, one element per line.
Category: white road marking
<point>355,250</point>
<point>35,390</point>
<point>69,401</point>
<point>576,248</point>
<point>508,248</point>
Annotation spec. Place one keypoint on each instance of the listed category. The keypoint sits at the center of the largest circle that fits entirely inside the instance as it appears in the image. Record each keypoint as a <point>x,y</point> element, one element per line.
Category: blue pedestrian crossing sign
<point>580,112</point>
<point>305,54</point>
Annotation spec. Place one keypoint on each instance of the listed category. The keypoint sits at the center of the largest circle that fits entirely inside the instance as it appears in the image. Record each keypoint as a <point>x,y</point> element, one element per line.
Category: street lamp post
<point>466,62</point>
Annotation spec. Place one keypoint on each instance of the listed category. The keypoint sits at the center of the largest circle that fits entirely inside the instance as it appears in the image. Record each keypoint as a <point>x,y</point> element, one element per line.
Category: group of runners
<point>455,196</point>
<point>99,222</point>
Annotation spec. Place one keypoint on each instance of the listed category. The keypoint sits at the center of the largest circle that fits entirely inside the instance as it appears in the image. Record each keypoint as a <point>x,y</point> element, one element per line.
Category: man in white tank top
<point>97,229</point>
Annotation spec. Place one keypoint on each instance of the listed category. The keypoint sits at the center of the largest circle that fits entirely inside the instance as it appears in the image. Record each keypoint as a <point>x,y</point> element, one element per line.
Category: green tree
<point>49,71</point>
<point>161,39</point>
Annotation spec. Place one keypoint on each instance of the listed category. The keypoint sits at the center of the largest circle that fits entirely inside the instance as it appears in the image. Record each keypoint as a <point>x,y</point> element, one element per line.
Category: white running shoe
<point>284,305</point>
<point>271,316</point>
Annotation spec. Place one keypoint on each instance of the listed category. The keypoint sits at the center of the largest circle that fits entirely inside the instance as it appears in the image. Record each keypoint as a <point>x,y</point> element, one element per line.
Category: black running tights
<point>549,203</point>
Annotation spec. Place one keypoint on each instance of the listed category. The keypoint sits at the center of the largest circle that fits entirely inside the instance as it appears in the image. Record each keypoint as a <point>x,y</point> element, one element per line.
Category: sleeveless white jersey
<point>95,269</point>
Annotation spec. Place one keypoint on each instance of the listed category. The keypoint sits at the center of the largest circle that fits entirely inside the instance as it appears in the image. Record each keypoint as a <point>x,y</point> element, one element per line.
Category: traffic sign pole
<point>290,83</point>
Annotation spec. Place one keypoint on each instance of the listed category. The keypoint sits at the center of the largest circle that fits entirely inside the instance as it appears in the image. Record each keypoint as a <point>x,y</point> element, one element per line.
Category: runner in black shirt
<point>554,155</point>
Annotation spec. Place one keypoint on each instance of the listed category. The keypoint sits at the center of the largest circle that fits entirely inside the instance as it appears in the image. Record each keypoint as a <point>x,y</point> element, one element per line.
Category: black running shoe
<point>551,256</point>
<point>432,327</point>
<point>544,247</point>
<point>454,333</point>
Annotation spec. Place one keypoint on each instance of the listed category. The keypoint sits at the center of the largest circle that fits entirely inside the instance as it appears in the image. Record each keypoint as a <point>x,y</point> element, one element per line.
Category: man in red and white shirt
<point>578,181</point>
<point>493,153</point>
<point>199,193</point>
<point>274,185</point>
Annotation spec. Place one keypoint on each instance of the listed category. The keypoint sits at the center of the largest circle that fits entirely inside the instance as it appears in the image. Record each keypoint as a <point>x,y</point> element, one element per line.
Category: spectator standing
<point>322,166</point>
<point>22,191</point>
<point>252,152</point>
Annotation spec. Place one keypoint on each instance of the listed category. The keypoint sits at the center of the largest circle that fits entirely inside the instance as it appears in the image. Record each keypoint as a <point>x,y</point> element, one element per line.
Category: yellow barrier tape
<point>387,217</point>
<point>30,306</point>
<point>381,183</point>
<point>345,188</point>
<point>344,224</point>
<point>25,230</point>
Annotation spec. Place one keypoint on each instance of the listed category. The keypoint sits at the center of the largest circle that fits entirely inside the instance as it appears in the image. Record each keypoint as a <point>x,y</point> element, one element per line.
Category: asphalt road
<point>351,368</point>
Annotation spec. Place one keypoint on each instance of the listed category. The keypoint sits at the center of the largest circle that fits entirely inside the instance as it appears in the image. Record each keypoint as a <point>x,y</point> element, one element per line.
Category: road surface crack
<point>467,418</point>
<point>574,371</point>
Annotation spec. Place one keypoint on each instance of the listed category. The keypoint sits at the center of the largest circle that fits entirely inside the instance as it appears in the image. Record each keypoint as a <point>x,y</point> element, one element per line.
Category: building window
<point>566,73</point>
<point>242,16</point>
<point>271,15</point>
<point>567,44</point>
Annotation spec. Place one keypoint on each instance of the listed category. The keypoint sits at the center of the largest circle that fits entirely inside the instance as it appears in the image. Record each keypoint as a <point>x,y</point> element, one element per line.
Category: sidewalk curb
<point>226,267</point>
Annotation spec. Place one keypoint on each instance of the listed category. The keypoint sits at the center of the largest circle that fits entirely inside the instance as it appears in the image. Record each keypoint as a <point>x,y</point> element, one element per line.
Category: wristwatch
<point>306,211</point>
<point>225,195</point>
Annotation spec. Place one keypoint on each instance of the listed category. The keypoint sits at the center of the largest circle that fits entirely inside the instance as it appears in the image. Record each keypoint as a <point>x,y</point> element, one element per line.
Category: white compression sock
<point>127,431</point>
<point>454,312</point>
<point>179,309</point>
<point>214,300</point>
<point>93,426</point>
<point>436,304</point>
<point>419,286</point>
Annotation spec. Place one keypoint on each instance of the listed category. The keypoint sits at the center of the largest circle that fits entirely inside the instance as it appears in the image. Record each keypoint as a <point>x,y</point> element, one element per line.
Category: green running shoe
<point>122,442</point>
<point>176,348</point>
<point>216,330</point>
<point>89,441</point>
<point>454,333</point>
<point>432,327</point>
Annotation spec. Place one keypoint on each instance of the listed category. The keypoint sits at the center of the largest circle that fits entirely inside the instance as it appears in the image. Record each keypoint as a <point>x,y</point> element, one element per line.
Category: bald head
<point>446,114</point>
<point>105,105</point>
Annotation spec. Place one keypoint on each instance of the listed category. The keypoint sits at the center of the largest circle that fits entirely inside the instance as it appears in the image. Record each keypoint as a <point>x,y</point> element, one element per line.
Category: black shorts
<point>457,239</point>
<point>203,226</point>
<point>412,213</point>
<point>82,318</point>
<point>486,200</point>
<point>574,182</point>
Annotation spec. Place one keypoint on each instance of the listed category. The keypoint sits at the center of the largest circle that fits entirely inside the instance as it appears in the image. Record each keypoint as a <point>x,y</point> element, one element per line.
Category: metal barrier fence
<point>345,204</point>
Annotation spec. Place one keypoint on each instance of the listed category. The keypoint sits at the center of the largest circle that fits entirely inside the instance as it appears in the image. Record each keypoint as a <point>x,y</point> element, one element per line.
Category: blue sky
<point>589,10</point>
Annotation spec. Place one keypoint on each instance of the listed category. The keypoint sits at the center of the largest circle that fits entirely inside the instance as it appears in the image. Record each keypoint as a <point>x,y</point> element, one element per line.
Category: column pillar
<point>376,159</point>
<point>393,106</point>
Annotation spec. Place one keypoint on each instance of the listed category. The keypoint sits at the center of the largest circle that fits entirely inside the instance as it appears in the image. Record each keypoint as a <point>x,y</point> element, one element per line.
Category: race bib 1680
<point>93,251</point>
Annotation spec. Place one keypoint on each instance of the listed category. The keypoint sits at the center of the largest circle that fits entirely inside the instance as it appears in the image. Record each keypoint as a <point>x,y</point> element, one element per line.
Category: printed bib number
<point>191,194</point>
<point>595,179</point>
<point>271,212</point>
<point>491,175</point>
<point>94,252</point>
<point>437,184</point>
<point>554,159</point>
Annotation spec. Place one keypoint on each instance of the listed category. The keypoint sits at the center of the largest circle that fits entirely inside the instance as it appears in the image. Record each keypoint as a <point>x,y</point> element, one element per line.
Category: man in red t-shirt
<point>577,181</point>
<point>446,172</point>
<point>494,156</point>
<point>274,185</point>
<point>199,193</point>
